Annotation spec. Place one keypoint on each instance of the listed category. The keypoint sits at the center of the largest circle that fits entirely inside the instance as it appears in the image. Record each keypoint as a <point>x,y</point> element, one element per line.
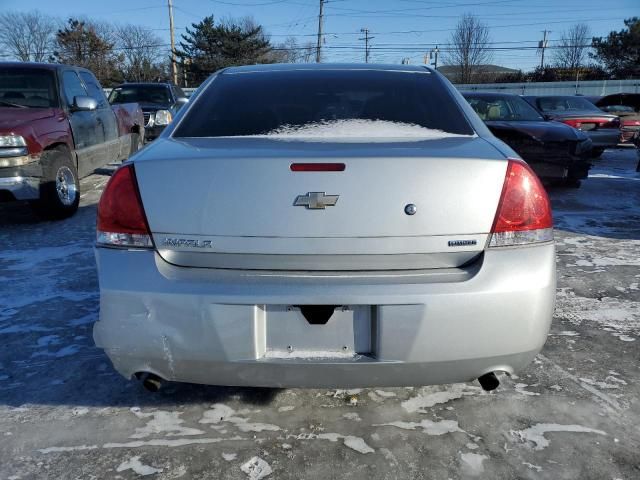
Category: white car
<point>324,226</point>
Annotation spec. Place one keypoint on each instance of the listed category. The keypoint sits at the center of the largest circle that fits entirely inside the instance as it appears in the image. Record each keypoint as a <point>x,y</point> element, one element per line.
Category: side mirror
<point>180,102</point>
<point>84,103</point>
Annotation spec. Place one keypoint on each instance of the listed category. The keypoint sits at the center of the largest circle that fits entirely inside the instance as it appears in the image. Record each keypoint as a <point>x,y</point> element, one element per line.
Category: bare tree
<point>309,52</point>
<point>468,47</point>
<point>571,51</point>
<point>142,53</point>
<point>288,51</point>
<point>27,36</point>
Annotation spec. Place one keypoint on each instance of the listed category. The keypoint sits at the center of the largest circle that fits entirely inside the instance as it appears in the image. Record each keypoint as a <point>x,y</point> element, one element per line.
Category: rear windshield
<point>504,108</point>
<point>157,94</point>
<point>27,88</point>
<point>562,104</point>
<point>618,108</point>
<point>261,103</point>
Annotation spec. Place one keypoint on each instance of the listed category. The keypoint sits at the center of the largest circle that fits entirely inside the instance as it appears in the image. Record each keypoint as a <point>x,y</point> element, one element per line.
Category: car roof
<point>488,94</point>
<point>624,98</point>
<point>289,67</point>
<point>43,66</point>
<point>35,65</point>
<point>556,96</point>
<point>143,84</point>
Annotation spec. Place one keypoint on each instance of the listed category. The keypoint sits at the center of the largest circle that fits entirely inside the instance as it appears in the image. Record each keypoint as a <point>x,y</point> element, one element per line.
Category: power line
<point>352,47</point>
<point>273,2</point>
<point>402,32</point>
<point>395,10</point>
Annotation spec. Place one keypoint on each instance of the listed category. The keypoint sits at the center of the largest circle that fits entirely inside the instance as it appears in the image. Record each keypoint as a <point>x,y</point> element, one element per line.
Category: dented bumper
<point>397,329</point>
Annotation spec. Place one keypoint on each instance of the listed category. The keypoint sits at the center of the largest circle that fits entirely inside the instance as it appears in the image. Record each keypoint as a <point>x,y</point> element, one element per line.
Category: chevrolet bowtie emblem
<point>316,200</point>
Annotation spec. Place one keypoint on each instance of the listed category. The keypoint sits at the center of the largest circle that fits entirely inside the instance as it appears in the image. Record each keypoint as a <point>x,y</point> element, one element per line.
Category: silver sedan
<point>324,226</point>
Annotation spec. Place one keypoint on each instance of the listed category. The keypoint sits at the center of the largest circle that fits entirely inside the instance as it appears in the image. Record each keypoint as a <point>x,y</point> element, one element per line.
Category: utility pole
<point>542,45</point>
<point>434,54</point>
<point>174,69</point>
<point>366,43</point>
<point>318,50</point>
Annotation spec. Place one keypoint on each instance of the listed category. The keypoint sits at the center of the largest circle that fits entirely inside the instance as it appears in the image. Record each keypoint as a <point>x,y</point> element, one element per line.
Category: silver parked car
<point>324,226</point>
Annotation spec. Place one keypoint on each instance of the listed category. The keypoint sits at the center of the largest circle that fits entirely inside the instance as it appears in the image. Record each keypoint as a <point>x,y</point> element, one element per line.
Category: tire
<point>59,187</point>
<point>137,142</point>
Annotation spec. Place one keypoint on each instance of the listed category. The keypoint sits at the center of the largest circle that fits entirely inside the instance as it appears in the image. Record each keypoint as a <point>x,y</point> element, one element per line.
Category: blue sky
<point>402,28</point>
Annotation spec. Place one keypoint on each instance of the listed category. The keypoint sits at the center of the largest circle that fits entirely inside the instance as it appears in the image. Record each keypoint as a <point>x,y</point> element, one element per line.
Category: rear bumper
<point>550,171</point>
<point>210,326</point>
<point>606,138</point>
<point>558,160</point>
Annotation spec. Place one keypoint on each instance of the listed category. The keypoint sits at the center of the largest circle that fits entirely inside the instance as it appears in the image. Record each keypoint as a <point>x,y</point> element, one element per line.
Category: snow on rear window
<point>356,131</point>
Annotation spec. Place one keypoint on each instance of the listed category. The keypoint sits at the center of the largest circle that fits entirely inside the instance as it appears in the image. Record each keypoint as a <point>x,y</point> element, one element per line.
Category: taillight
<point>121,218</point>
<point>589,123</point>
<point>524,211</point>
<point>573,122</point>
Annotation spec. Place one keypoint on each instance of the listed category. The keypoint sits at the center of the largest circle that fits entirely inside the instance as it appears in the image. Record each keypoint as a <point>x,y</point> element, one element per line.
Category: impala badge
<point>187,242</point>
<point>462,243</point>
<point>316,200</point>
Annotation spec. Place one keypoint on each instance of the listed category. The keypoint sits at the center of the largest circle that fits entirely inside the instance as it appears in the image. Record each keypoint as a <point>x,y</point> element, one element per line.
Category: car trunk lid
<point>236,203</point>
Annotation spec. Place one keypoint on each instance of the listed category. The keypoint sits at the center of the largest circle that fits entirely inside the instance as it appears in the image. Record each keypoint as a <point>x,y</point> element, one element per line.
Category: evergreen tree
<point>619,52</point>
<point>207,47</point>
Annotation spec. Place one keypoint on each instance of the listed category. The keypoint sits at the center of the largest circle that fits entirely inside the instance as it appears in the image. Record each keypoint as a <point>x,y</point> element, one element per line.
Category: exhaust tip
<point>150,381</point>
<point>489,381</point>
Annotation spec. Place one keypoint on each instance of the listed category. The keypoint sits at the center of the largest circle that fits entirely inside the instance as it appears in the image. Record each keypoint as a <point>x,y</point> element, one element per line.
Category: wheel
<point>59,187</point>
<point>137,142</point>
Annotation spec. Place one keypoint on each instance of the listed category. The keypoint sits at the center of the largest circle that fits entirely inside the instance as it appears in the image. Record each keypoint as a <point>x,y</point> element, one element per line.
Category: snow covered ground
<point>574,413</point>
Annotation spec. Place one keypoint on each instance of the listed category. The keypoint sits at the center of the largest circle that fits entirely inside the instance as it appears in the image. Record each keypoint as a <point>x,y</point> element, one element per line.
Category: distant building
<point>482,73</point>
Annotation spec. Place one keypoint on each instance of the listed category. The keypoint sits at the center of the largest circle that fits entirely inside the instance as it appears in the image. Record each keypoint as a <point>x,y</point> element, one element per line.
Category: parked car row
<point>57,126</point>
<point>553,149</point>
<point>559,135</point>
<point>602,128</point>
<point>627,107</point>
